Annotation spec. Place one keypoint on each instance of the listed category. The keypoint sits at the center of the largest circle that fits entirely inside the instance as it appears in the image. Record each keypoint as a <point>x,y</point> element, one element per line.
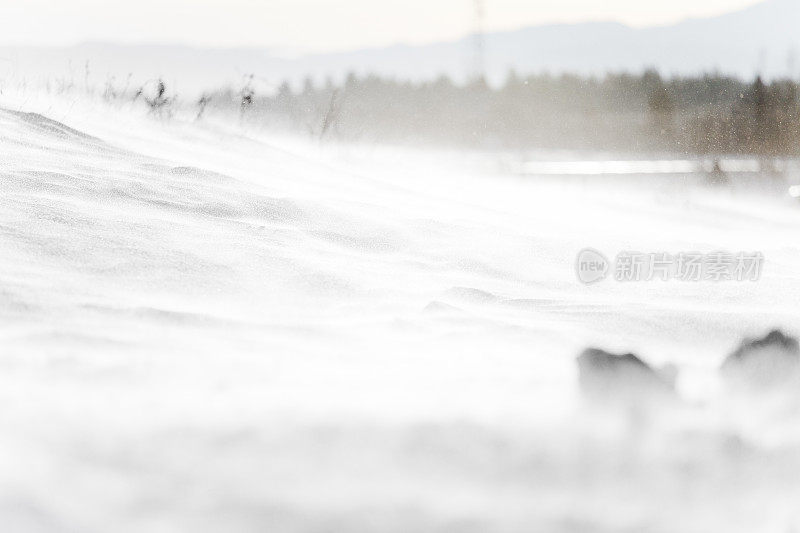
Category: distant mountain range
<point>762,38</point>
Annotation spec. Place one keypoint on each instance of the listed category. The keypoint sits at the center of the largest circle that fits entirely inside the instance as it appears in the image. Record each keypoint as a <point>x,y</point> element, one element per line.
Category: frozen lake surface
<point>205,328</point>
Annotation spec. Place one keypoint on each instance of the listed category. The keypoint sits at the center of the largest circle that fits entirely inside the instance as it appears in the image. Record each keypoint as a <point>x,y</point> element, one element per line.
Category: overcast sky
<point>313,25</point>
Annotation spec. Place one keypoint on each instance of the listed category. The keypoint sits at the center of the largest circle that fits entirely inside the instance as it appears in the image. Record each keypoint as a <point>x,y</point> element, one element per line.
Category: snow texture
<point>204,328</point>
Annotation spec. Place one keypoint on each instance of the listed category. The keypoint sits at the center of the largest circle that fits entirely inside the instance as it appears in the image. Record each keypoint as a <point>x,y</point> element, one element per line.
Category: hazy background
<point>314,25</point>
<point>200,45</point>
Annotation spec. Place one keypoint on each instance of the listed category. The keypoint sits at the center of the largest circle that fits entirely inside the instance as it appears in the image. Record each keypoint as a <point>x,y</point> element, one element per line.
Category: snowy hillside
<point>208,329</point>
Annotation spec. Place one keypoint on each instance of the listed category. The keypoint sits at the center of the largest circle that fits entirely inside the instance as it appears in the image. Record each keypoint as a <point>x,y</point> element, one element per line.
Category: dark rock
<point>606,375</point>
<point>766,362</point>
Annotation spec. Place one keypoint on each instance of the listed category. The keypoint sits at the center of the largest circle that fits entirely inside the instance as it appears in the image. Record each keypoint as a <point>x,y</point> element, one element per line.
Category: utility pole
<point>479,66</point>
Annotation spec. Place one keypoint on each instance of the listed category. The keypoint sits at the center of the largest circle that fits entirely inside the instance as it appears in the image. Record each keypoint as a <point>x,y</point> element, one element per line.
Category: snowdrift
<point>205,328</point>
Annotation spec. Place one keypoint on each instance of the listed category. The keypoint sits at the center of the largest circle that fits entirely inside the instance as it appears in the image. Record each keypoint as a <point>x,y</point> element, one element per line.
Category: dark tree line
<point>705,114</point>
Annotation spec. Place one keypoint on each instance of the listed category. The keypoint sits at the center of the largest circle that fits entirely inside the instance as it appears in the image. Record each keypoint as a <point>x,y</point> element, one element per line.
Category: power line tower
<point>479,51</point>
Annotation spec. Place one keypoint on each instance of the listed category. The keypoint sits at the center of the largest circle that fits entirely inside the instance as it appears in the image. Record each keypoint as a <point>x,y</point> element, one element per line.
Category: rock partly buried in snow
<point>767,362</point>
<point>607,376</point>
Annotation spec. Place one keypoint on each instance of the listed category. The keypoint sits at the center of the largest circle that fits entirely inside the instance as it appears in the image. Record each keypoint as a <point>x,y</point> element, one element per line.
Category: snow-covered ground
<point>205,328</point>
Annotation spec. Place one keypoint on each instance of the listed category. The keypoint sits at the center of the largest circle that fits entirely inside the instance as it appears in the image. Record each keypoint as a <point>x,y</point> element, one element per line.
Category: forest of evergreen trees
<point>709,114</point>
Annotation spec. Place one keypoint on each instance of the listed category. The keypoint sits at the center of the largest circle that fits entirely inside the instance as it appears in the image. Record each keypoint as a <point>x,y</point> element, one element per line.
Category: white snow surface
<point>207,328</point>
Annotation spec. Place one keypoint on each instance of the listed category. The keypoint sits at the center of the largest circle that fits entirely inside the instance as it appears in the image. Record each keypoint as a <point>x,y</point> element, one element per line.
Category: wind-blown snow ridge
<point>207,329</point>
